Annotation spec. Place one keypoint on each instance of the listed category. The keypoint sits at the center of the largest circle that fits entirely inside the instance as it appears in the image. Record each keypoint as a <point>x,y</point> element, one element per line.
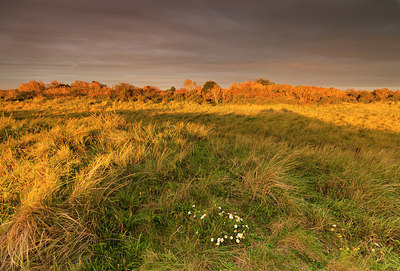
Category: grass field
<point>90,184</point>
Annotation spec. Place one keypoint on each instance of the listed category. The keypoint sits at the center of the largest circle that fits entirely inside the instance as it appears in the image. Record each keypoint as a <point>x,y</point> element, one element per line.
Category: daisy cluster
<point>227,227</point>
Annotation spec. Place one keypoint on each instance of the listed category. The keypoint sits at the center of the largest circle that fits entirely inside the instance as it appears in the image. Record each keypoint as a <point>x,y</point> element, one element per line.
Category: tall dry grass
<point>99,184</point>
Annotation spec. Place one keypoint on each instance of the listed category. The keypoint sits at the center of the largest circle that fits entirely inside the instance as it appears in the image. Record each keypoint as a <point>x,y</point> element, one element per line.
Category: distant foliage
<point>29,90</point>
<point>32,86</point>
<point>209,85</point>
<point>264,82</point>
<point>258,91</point>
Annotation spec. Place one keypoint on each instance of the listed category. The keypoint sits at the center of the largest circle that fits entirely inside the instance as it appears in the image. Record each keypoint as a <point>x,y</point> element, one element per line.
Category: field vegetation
<point>119,182</point>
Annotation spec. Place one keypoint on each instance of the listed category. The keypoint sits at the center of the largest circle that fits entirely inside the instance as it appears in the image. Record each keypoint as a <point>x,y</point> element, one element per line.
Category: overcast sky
<point>339,43</point>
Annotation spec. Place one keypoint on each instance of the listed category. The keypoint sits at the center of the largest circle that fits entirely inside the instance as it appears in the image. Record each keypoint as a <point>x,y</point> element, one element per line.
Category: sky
<point>331,43</point>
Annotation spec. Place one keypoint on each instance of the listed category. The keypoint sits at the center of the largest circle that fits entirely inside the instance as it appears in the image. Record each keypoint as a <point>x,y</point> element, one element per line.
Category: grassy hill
<point>89,184</point>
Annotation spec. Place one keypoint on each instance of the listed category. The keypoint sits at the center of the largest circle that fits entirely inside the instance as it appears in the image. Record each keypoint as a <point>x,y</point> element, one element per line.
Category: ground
<point>92,184</point>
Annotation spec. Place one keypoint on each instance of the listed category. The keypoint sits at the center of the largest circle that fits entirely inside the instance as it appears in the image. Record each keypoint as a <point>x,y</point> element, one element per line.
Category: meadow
<point>103,184</point>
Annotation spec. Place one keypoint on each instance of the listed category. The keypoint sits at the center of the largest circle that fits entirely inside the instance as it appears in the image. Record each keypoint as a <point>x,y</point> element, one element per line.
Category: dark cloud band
<point>342,43</point>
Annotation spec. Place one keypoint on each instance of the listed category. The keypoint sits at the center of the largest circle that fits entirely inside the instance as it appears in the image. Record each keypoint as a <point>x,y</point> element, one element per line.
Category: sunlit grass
<point>118,185</point>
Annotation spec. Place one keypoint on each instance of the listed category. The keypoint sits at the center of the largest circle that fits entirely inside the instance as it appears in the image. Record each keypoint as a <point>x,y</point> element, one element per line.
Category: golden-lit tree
<point>217,94</point>
<point>264,82</point>
<point>55,84</point>
<point>382,94</point>
<point>396,95</point>
<point>33,86</point>
<point>81,85</point>
<point>80,88</point>
<point>191,86</point>
<point>125,90</point>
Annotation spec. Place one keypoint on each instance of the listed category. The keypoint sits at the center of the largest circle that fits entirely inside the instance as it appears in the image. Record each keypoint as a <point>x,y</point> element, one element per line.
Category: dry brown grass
<point>292,170</point>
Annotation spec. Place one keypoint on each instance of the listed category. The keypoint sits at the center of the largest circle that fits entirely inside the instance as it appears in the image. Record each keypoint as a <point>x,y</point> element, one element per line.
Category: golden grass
<point>381,116</point>
<point>62,162</point>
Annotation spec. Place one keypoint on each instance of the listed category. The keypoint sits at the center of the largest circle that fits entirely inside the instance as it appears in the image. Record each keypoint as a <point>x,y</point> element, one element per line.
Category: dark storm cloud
<point>343,43</point>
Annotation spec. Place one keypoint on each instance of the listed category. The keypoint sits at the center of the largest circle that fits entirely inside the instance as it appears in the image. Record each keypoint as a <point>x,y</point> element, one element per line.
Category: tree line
<point>257,91</point>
